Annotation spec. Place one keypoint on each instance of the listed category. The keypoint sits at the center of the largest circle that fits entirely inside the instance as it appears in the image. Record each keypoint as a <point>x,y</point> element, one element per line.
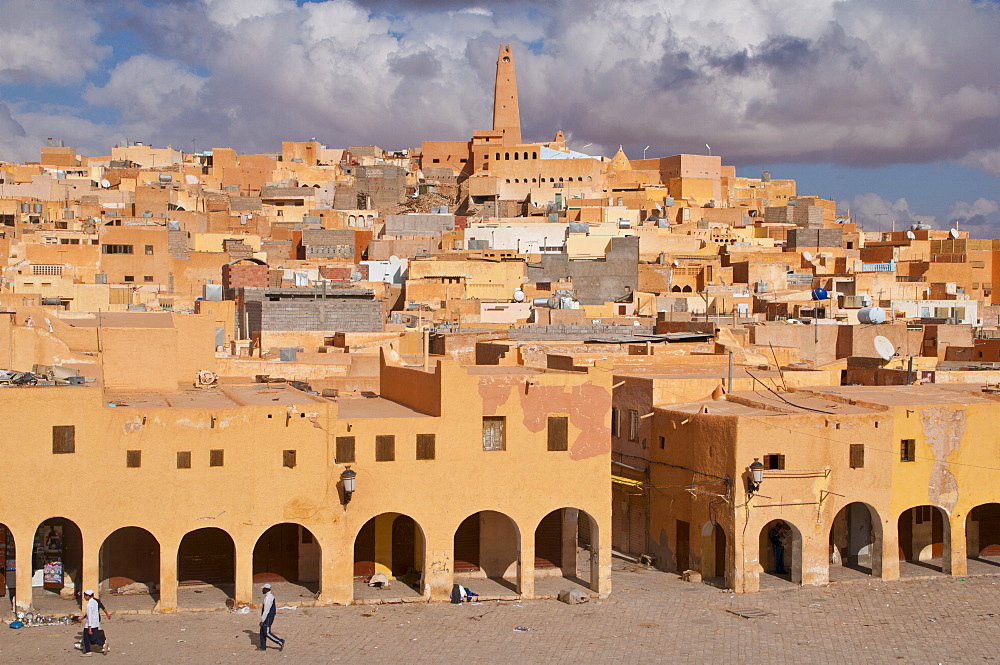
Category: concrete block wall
<point>333,315</point>
<point>806,238</point>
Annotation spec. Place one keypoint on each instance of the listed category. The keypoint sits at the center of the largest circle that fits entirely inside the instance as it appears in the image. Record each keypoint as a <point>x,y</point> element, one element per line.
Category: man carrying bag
<point>92,633</point>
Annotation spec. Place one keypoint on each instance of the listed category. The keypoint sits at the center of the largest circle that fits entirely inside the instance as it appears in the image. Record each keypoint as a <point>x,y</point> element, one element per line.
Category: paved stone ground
<point>652,617</point>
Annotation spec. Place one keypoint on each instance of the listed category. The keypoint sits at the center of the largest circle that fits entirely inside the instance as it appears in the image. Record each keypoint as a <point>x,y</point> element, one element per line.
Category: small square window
<point>385,448</point>
<point>857,455</point>
<point>129,278</point>
<point>774,462</point>
<point>494,433</point>
<point>425,446</point>
<point>216,457</point>
<point>907,449</point>
<point>147,278</point>
<point>558,432</point>
<point>149,249</point>
<point>63,439</point>
<point>288,459</point>
<point>133,459</point>
<point>184,459</point>
<point>345,450</point>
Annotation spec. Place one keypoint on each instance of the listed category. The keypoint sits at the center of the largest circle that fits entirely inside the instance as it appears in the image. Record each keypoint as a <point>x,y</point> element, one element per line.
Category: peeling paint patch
<point>132,425</point>
<point>595,437</point>
<point>299,508</point>
<point>314,419</point>
<point>496,390</point>
<point>943,431</point>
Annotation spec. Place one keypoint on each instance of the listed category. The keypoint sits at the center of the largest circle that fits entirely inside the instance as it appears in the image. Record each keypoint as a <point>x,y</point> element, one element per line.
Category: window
<point>345,450</point>
<point>133,459</point>
<point>116,249</point>
<point>774,462</point>
<point>923,514</point>
<point>857,455</point>
<point>633,425</point>
<point>129,278</point>
<point>63,439</point>
<point>216,457</point>
<point>906,450</point>
<point>558,433</point>
<point>385,448</point>
<point>425,446</point>
<point>616,429</point>
<point>288,458</point>
<point>147,278</point>
<point>493,433</point>
<point>184,459</point>
<point>436,160</point>
<point>149,249</point>
<point>663,444</point>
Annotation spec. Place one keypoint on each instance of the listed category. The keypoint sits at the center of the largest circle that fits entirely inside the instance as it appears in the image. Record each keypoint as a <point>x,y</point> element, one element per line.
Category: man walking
<point>267,612</point>
<point>92,633</point>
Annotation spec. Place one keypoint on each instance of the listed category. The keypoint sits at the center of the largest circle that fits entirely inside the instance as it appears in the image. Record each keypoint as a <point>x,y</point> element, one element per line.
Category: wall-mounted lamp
<point>347,477</point>
<point>756,477</point>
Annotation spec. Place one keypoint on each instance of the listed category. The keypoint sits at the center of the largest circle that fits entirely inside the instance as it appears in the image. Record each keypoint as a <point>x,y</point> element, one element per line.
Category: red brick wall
<point>244,275</point>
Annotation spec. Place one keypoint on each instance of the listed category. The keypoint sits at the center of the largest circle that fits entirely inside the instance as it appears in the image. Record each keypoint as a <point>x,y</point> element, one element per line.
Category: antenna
<point>884,347</point>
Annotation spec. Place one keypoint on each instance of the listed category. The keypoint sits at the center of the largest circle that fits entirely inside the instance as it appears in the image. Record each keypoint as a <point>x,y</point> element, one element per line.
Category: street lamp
<point>347,477</point>
<point>756,476</point>
<point>644,152</point>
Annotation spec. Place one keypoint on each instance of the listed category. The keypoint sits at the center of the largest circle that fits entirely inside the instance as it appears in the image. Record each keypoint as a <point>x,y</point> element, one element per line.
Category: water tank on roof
<point>166,177</point>
<point>668,201</point>
<point>36,207</point>
<point>820,294</point>
<point>540,302</point>
<point>761,287</point>
<point>871,315</point>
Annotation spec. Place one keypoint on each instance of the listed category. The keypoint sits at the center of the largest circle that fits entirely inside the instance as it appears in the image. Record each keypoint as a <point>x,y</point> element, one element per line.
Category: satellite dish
<point>191,179</point>
<point>394,260</point>
<point>105,183</point>
<point>884,348</point>
<point>676,263</point>
<point>518,295</point>
<point>911,235</point>
<point>953,233</point>
<point>807,256</point>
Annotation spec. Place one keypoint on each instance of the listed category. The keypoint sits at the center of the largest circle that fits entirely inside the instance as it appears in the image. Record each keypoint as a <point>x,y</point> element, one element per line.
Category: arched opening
<point>525,155</point>
<point>565,551</point>
<point>389,558</point>
<point>675,288</point>
<point>129,569</point>
<point>8,563</point>
<point>534,155</point>
<point>713,554</point>
<point>855,542</point>
<point>686,289</point>
<point>288,555</point>
<point>924,540</point>
<point>206,568</point>
<point>487,549</point>
<point>780,554</point>
<point>506,155</point>
<point>982,535</point>
<point>498,156</point>
<point>56,565</point>
<point>516,156</point>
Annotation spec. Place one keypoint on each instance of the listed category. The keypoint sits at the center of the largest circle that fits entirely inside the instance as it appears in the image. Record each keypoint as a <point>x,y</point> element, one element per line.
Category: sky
<point>890,108</point>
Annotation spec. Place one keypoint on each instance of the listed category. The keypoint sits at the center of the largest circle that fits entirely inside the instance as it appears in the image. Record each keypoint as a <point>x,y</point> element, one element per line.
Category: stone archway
<point>855,542</point>
<point>487,548</point>
<point>390,545</point>
<point>924,540</point>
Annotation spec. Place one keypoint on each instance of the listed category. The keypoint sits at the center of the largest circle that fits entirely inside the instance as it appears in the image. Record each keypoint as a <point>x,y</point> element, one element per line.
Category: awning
<point>621,480</point>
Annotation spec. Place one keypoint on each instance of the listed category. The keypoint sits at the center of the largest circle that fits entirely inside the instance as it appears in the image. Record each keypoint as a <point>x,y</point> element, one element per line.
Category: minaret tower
<point>506,116</point>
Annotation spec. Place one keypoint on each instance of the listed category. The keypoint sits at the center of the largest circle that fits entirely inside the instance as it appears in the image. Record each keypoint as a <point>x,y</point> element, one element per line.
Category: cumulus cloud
<point>875,213</point>
<point>47,41</point>
<point>852,82</point>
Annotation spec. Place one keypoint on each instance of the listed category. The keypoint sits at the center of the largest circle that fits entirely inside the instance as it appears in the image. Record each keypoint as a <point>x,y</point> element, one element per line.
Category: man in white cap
<point>92,626</point>
<point>267,612</point>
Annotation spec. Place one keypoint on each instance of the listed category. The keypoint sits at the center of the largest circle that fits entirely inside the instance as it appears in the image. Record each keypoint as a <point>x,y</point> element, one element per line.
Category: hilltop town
<point>372,374</point>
